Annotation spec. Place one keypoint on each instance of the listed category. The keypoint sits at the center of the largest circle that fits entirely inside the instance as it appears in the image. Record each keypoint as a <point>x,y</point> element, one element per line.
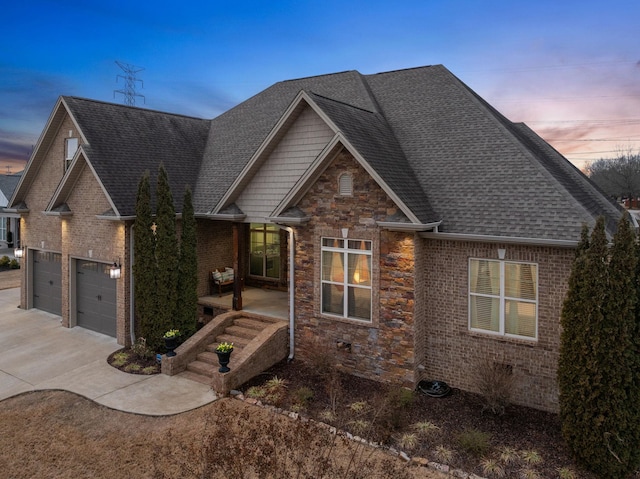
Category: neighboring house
<point>9,222</point>
<point>427,231</point>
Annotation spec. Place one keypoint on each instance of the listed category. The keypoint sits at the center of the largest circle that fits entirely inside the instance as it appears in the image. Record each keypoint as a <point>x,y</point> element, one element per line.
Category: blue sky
<point>569,69</point>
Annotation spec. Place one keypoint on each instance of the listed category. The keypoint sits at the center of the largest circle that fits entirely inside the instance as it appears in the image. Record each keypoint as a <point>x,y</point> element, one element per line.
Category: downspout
<point>292,284</point>
<point>131,292</point>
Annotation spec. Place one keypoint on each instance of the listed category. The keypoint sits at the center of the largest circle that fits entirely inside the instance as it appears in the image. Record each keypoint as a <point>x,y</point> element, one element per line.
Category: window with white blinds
<point>503,298</point>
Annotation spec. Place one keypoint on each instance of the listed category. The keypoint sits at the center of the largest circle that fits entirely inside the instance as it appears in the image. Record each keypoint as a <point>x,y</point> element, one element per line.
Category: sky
<point>569,69</point>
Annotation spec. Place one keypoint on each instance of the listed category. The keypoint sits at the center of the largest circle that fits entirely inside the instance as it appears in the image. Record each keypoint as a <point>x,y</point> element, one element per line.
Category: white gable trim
<point>321,164</point>
<point>49,133</point>
<point>70,178</point>
<point>301,100</point>
<point>316,168</point>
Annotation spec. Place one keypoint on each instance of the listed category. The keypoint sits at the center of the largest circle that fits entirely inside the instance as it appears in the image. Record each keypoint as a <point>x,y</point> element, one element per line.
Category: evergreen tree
<point>596,369</point>
<point>144,268</point>
<point>166,260</point>
<point>186,315</point>
<point>572,343</point>
<point>619,453</point>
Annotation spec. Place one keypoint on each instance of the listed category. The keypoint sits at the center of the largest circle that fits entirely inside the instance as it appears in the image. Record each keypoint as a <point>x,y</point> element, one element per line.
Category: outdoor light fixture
<point>18,252</point>
<point>114,271</point>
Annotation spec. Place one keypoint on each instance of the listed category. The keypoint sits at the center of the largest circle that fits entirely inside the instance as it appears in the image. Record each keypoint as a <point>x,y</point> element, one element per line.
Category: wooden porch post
<point>237,275</point>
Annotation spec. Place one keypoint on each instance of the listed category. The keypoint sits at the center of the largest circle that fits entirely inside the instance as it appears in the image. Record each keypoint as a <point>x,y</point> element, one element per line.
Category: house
<point>427,231</point>
<point>9,223</point>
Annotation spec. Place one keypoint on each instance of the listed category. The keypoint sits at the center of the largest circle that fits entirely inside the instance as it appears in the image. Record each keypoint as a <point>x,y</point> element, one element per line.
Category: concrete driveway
<point>36,352</point>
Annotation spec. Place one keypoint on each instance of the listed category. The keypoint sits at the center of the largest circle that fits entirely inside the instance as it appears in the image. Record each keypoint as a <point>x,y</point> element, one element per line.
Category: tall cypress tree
<point>571,341</point>
<point>597,370</point>
<point>186,315</point>
<point>144,268</point>
<point>620,426</point>
<point>166,260</point>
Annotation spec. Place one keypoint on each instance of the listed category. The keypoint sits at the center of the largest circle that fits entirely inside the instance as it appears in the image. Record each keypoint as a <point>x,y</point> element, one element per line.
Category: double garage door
<point>95,291</point>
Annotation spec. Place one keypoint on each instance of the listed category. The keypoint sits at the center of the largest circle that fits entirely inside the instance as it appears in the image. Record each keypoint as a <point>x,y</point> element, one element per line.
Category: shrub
<point>13,264</point>
<point>491,467</point>
<point>302,397</point>
<point>140,349</point>
<point>4,261</point>
<point>495,383</point>
<point>443,454</point>
<point>474,442</point>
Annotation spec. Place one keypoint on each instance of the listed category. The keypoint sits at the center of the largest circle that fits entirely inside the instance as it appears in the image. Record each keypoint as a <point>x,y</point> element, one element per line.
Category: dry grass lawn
<point>59,434</point>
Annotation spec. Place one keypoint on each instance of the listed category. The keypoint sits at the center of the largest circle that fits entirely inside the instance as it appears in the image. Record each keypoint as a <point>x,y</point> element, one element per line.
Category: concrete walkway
<point>36,353</point>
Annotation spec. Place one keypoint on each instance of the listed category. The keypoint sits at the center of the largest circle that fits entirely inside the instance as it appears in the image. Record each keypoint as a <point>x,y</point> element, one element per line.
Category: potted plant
<point>171,341</point>
<point>224,350</point>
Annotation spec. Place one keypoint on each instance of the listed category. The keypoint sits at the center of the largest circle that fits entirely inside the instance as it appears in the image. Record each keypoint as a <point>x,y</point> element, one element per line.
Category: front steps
<point>259,342</point>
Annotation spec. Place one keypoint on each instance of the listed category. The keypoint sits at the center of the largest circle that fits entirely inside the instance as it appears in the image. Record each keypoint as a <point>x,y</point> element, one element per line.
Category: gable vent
<point>345,185</point>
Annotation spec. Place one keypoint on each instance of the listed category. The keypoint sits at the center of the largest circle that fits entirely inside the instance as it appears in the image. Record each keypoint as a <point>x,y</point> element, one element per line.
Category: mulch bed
<point>126,360</point>
<point>391,417</point>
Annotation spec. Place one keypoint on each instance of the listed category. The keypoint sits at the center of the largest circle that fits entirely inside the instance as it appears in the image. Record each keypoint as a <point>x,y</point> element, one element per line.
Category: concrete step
<point>251,323</point>
<point>237,341</point>
<point>239,331</point>
<point>204,369</point>
<point>196,377</point>
<point>208,357</point>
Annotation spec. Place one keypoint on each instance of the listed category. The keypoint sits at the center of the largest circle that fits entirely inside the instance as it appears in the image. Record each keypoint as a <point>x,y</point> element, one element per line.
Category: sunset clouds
<point>569,69</point>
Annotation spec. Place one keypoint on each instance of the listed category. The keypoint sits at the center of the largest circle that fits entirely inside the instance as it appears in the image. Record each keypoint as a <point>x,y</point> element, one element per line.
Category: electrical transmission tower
<point>130,81</point>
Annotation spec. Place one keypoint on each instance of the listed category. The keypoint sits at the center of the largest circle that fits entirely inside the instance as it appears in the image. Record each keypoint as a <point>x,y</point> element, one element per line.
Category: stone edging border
<point>419,461</point>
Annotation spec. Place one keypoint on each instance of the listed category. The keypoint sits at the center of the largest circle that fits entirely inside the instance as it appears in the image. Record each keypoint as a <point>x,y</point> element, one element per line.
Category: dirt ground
<point>63,435</point>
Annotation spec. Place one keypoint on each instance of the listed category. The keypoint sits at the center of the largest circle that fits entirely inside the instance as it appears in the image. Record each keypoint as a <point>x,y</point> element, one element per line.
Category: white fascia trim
<point>115,218</point>
<point>58,213</point>
<point>288,220</point>
<point>223,217</point>
<point>500,239</point>
<point>407,212</point>
<point>104,190</point>
<point>264,145</point>
<point>408,227</point>
<point>36,150</point>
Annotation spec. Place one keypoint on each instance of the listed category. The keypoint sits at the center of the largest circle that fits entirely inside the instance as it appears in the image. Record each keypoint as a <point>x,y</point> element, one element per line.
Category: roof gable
<point>123,142</point>
<point>66,187</point>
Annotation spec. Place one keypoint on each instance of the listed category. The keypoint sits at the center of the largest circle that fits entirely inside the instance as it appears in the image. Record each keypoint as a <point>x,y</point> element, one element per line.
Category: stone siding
<point>451,351</point>
<point>384,348</point>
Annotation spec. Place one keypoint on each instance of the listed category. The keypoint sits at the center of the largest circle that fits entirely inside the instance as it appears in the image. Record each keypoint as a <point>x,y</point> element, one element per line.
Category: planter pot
<point>170,344</point>
<point>223,359</point>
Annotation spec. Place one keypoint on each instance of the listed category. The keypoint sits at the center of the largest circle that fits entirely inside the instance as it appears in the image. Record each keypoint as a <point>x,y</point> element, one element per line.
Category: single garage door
<point>47,284</point>
<point>95,297</point>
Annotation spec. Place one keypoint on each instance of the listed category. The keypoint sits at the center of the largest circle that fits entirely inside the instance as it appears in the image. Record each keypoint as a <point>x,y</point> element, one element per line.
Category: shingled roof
<point>469,166</point>
<point>445,153</point>
<point>123,142</point>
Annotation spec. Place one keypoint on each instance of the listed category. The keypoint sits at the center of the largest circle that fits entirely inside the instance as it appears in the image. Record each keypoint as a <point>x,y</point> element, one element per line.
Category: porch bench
<point>219,279</point>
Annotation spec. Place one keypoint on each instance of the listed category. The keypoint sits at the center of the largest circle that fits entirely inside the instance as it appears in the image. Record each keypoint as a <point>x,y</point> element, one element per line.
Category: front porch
<point>266,302</point>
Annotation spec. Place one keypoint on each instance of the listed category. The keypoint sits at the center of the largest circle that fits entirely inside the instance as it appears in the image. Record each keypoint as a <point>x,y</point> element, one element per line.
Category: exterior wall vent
<point>345,184</point>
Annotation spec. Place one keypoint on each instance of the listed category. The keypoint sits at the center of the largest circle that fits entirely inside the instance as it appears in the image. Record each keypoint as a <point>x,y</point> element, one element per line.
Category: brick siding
<point>451,351</point>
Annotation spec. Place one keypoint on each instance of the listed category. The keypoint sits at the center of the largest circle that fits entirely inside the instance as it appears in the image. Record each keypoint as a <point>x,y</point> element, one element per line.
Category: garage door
<point>47,284</point>
<point>95,297</point>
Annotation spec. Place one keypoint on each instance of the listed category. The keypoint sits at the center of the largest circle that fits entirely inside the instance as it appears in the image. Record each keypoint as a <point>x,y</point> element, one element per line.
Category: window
<point>346,267</point>
<point>503,297</point>
<point>3,229</point>
<point>71,146</point>
<point>264,251</point>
